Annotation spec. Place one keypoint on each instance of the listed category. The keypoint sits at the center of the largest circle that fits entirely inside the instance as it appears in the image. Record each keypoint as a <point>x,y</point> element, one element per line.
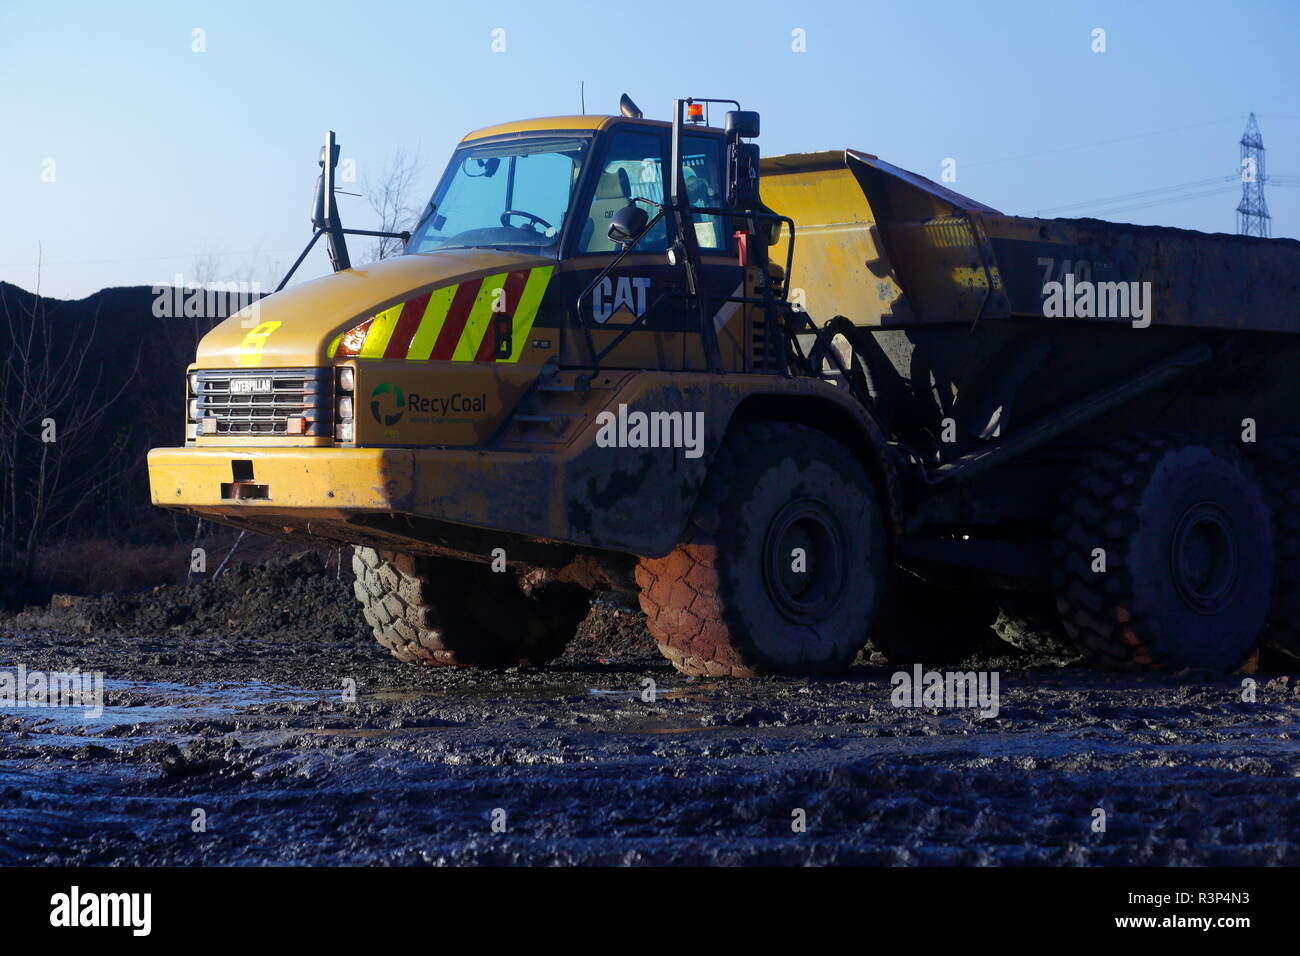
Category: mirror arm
<point>600,277</point>
<point>331,225</point>
<point>297,262</point>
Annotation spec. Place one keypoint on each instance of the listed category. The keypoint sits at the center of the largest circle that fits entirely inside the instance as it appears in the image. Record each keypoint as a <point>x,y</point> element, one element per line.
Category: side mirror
<point>321,203</point>
<point>741,124</point>
<point>318,204</point>
<point>742,175</point>
<point>628,223</point>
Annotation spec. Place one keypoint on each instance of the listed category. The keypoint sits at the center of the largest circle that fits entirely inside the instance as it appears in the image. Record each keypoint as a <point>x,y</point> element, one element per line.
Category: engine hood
<point>303,326</point>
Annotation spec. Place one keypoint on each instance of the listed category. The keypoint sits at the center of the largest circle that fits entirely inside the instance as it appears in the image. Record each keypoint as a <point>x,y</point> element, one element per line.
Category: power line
<point>1140,194</point>
<point>1217,191</point>
<point>1138,199</point>
<point>1104,142</point>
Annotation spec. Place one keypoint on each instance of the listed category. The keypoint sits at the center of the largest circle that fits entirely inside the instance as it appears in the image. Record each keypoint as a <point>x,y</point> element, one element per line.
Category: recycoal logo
<point>387,403</point>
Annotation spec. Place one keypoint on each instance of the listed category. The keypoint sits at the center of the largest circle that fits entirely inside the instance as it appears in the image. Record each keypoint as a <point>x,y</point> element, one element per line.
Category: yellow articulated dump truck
<point>628,354</point>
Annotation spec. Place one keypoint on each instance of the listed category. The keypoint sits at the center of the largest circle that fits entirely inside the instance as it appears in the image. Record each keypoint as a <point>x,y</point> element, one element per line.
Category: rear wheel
<point>445,612</point>
<point>1164,555</point>
<point>1278,464</point>
<point>782,564</point>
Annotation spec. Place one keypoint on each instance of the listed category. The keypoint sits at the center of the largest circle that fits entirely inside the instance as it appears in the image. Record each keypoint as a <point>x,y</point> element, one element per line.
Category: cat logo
<point>625,293</point>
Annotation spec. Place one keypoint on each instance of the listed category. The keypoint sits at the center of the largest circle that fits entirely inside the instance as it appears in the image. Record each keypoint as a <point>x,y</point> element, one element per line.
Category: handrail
<point>754,216</point>
<point>601,276</point>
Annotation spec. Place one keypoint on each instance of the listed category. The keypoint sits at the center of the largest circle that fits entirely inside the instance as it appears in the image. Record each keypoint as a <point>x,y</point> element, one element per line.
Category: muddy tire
<point>443,612</point>
<point>1188,552</point>
<point>1278,464</point>
<point>729,600</point>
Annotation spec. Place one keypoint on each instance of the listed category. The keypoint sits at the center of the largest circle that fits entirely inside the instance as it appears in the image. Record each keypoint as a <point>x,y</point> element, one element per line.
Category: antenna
<point>582,95</point>
<point>1252,211</point>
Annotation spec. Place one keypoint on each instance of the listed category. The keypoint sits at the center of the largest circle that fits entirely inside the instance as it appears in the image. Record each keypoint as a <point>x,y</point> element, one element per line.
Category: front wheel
<point>444,612</point>
<point>782,565</point>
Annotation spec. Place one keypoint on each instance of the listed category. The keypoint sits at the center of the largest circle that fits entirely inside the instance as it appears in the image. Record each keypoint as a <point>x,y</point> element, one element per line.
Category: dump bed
<point>886,247</point>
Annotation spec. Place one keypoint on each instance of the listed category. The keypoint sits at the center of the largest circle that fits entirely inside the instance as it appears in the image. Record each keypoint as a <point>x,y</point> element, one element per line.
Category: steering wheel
<point>505,217</point>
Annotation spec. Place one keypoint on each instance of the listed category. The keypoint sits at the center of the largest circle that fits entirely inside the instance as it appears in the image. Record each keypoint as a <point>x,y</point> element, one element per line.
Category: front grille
<point>292,393</point>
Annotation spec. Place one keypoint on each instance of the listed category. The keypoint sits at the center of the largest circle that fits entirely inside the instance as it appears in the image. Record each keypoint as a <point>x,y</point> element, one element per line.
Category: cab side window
<point>702,167</point>
<point>633,168</point>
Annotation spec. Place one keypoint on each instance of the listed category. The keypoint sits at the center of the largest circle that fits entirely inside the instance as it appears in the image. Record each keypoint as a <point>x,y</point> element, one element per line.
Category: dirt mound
<point>612,632</point>
<point>297,597</point>
<point>290,593</point>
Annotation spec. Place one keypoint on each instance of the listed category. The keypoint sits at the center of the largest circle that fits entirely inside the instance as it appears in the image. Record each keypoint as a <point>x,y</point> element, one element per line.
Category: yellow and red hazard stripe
<point>452,323</point>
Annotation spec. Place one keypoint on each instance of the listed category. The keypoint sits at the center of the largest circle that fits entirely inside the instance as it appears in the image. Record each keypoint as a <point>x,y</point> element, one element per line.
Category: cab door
<point>629,164</point>
<point>721,275</point>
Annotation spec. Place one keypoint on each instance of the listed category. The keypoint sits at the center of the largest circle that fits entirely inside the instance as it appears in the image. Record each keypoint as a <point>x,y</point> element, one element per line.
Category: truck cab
<point>439,344</point>
<point>448,396</point>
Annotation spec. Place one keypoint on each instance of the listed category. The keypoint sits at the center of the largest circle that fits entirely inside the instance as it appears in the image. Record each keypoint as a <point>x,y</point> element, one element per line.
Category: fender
<point>639,499</point>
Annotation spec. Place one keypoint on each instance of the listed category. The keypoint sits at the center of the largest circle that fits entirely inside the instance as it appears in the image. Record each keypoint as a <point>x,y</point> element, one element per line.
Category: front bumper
<point>437,494</point>
<point>283,478</point>
<point>384,497</point>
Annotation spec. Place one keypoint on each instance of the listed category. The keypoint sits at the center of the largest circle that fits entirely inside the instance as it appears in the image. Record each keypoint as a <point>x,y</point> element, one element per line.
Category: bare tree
<point>393,201</point>
<point>51,411</point>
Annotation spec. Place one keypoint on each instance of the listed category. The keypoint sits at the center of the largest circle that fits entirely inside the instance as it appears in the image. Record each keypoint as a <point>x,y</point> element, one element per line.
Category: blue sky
<point>168,161</point>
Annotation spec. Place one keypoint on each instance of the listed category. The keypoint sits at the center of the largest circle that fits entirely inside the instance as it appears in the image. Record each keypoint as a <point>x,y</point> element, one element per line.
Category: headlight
<point>194,409</point>
<point>193,379</point>
<point>347,378</point>
<point>345,408</point>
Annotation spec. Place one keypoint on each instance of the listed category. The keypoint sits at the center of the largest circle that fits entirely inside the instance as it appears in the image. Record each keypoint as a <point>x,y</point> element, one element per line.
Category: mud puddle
<point>296,740</point>
<point>128,708</point>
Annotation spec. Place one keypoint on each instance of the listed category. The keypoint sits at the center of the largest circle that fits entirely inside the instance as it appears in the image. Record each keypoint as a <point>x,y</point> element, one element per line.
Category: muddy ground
<point>229,698</point>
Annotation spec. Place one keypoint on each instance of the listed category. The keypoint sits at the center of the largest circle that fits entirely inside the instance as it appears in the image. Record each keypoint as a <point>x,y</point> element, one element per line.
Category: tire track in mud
<point>237,709</point>
<point>707,775</point>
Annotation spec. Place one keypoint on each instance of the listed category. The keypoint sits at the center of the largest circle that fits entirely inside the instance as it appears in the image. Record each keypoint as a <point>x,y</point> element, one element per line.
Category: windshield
<point>503,195</point>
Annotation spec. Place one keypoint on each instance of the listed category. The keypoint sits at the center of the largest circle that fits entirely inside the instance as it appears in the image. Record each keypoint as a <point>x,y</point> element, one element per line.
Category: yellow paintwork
<point>540,124</point>
<point>835,238</point>
<point>853,260</point>
<point>518,486</point>
<point>294,328</point>
<point>569,123</point>
<point>354,479</point>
